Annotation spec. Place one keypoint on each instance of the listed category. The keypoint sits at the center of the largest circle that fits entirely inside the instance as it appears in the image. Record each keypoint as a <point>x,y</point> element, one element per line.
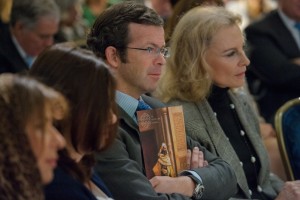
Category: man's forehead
<point>145,32</point>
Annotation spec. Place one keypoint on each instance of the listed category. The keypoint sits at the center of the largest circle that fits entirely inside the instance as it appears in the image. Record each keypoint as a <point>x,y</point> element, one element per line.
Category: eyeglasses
<point>165,51</point>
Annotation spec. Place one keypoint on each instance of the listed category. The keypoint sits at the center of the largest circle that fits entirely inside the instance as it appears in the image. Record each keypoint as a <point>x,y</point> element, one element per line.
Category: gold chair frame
<point>280,136</point>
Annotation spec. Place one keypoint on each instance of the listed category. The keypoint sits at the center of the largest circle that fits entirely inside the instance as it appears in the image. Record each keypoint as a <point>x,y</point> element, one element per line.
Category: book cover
<point>163,140</point>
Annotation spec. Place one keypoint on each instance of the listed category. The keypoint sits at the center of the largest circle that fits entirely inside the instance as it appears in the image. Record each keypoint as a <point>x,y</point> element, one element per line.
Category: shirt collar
<point>290,23</point>
<point>20,49</point>
<point>127,103</point>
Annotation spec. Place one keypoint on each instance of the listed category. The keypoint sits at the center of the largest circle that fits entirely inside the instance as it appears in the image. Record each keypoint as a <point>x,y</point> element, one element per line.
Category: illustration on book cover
<point>163,140</point>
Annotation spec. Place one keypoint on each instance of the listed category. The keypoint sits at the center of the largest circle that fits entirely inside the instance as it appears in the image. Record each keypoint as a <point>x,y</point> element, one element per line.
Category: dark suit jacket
<point>10,59</point>
<point>65,187</point>
<point>122,169</point>
<point>272,77</point>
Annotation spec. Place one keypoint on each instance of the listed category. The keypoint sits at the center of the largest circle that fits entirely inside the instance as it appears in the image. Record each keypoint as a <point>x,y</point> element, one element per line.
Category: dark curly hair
<point>21,100</point>
<point>111,27</point>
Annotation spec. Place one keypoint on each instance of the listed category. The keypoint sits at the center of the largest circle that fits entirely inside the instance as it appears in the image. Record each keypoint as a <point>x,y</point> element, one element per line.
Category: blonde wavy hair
<point>186,76</point>
<point>21,101</point>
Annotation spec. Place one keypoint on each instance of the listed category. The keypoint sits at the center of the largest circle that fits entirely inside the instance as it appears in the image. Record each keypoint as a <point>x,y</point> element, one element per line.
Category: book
<point>163,141</point>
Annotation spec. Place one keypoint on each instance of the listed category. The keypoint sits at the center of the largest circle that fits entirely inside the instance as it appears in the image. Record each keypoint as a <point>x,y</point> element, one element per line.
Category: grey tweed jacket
<point>203,126</point>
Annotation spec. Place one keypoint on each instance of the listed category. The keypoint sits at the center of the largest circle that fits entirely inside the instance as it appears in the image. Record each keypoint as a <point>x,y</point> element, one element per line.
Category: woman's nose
<point>58,139</point>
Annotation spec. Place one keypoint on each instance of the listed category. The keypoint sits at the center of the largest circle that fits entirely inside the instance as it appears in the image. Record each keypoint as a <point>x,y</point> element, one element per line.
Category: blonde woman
<point>207,62</point>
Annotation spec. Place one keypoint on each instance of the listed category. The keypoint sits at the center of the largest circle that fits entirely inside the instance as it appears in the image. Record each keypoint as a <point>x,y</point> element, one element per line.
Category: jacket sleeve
<point>276,182</point>
<point>120,169</point>
<point>218,177</point>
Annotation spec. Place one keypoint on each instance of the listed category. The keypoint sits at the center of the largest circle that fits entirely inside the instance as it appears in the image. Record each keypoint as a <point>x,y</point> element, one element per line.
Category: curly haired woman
<point>29,142</point>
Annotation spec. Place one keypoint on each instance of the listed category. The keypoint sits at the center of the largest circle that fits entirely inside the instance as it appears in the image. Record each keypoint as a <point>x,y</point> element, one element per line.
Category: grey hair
<point>66,4</point>
<point>29,12</point>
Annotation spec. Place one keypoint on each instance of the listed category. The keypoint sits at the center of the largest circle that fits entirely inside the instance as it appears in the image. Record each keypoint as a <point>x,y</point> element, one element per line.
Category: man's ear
<point>19,27</point>
<point>112,57</point>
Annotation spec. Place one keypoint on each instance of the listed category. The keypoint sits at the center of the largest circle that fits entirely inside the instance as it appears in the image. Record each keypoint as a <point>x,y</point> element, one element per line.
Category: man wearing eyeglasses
<point>130,37</point>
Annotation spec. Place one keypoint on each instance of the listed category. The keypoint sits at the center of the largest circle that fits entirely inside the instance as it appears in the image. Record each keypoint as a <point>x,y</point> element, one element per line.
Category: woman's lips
<point>52,162</point>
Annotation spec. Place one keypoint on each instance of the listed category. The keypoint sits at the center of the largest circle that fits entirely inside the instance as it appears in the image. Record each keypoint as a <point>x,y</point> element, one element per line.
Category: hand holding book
<point>182,184</point>
<point>165,153</point>
<point>163,140</point>
<point>165,184</point>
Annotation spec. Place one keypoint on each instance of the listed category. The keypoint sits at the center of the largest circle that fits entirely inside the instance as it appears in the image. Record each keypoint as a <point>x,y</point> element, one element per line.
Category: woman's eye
<point>232,53</point>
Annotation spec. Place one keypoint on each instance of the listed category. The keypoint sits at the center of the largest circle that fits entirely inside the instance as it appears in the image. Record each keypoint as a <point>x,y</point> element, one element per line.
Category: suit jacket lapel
<point>123,116</point>
<point>222,145</point>
<point>243,110</point>
<point>12,53</point>
<point>288,43</point>
<point>152,102</point>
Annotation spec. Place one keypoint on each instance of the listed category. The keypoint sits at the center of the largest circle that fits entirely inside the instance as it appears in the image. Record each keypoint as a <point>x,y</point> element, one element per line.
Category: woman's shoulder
<point>178,102</point>
<point>189,107</point>
<point>64,186</point>
<point>100,184</point>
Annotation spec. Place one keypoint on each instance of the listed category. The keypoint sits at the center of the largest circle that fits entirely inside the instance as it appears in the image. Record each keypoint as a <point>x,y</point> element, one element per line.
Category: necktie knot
<point>297,25</point>
<point>29,60</point>
<point>142,106</point>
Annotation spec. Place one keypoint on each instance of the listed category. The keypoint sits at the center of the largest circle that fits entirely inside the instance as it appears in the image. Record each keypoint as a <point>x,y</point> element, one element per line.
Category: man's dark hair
<point>111,27</point>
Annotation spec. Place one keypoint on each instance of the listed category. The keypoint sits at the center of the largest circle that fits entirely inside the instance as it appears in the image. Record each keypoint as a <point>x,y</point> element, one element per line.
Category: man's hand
<point>195,159</point>
<point>182,184</point>
<point>164,184</point>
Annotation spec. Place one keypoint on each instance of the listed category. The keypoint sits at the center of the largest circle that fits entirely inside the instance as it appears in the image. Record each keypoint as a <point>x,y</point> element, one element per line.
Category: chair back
<point>287,125</point>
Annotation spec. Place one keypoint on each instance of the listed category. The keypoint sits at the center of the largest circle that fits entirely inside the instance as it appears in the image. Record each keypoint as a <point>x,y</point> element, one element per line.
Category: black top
<point>226,114</point>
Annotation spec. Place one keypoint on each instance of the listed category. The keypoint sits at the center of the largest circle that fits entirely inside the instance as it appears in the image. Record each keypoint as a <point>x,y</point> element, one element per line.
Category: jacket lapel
<point>244,113</point>
<point>124,118</point>
<point>222,145</point>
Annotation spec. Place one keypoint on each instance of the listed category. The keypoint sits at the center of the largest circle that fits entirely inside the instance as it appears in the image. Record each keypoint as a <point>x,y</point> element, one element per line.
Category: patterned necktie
<point>143,106</point>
